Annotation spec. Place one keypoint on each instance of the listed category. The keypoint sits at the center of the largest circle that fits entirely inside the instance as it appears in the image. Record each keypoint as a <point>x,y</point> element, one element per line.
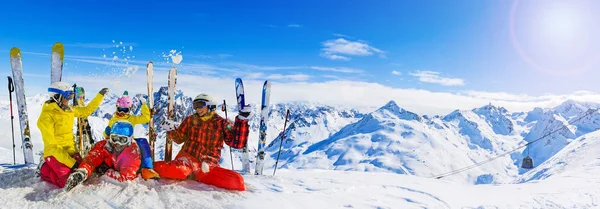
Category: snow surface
<point>302,189</point>
<point>335,157</point>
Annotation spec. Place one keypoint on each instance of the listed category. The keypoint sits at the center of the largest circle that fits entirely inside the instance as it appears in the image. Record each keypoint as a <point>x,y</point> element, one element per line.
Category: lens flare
<point>556,37</point>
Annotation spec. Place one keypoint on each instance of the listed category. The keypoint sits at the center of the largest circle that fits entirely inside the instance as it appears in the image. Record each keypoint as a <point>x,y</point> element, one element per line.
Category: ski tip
<point>59,48</point>
<point>150,64</point>
<point>15,52</point>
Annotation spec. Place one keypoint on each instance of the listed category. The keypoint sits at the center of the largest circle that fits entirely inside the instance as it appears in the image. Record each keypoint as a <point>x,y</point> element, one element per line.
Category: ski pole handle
<point>11,86</point>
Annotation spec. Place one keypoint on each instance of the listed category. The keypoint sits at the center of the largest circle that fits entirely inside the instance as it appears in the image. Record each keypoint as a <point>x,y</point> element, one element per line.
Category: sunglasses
<point>123,109</point>
<point>119,140</point>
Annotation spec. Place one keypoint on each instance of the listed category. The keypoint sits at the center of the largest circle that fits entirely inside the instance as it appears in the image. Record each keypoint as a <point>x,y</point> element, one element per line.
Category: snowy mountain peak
<point>572,108</point>
<point>391,109</point>
<point>489,109</point>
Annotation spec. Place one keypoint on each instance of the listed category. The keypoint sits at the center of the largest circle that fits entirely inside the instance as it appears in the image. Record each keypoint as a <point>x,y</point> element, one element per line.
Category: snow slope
<point>301,189</point>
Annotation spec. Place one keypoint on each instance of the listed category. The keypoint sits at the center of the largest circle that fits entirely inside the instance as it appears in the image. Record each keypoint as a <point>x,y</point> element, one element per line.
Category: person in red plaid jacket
<point>203,135</point>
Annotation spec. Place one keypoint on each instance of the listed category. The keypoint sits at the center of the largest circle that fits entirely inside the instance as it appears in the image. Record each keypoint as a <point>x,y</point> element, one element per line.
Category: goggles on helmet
<point>66,94</point>
<point>123,110</point>
<point>119,139</point>
<point>199,104</point>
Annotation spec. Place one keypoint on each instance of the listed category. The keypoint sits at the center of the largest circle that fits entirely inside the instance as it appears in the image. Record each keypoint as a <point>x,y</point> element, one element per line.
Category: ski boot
<point>39,167</point>
<point>148,173</point>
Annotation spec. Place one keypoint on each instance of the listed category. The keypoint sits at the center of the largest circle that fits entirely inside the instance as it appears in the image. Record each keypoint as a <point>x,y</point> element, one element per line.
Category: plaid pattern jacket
<point>204,136</point>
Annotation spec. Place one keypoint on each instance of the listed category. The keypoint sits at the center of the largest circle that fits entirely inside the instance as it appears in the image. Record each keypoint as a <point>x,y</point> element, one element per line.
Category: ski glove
<point>245,113</point>
<point>78,176</point>
<point>102,168</point>
<point>169,125</point>
<point>143,100</point>
<point>103,91</point>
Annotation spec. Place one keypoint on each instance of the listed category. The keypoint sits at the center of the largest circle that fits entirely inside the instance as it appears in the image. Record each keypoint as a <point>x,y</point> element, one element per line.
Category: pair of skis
<point>170,108</point>
<point>264,116</point>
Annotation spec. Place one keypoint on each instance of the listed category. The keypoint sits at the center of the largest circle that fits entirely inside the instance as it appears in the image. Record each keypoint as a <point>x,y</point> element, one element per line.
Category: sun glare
<point>557,37</point>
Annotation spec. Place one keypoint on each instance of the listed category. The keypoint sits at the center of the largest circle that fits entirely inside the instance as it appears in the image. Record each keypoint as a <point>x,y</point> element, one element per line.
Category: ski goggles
<point>119,139</point>
<point>123,110</point>
<point>66,94</point>
<point>199,104</point>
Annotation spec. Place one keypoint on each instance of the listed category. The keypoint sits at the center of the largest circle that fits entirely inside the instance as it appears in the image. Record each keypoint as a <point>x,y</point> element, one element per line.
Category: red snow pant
<point>185,164</point>
<point>55,172</point>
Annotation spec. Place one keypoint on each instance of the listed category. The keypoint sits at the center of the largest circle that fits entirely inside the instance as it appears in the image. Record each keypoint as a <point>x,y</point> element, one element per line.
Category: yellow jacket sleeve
<point>141,119</point>
<point>81,112</point>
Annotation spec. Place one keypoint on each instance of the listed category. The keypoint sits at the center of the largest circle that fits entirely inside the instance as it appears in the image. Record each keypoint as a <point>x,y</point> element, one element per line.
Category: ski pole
<point>11,89</point>
<point>224,109</point>
<point>282,137</point>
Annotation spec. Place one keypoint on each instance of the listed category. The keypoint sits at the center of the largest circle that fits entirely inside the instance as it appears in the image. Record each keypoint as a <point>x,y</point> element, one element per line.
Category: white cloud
<point>396,73</point>
<point>334,57</point>
<point>335,48</point>
<point>100,45</point>
<point>204,56</point>
<point>341,35</point>
<point>337,69</point>
<point>319,68</point>
<point>361,95</point>
<point>294,26</point>
<point>434,77</point>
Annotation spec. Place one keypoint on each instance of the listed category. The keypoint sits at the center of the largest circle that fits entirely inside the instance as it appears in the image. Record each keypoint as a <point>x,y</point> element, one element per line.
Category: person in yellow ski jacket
<point>56,125</point>
<point>124,112</point>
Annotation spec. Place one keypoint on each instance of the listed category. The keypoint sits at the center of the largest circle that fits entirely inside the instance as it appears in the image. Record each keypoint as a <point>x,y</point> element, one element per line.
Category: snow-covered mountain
<point>580,157</point>
<point>558,127</point>
<point>390,139</point>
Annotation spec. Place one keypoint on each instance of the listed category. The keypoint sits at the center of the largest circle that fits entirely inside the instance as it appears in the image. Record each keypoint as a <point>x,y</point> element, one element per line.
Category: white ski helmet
<point>209,101</point>
<point>204,97</point>
<point>60,88</point>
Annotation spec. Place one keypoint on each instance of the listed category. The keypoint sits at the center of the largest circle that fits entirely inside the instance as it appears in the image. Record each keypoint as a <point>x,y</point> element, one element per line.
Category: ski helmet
<point>121,133</point>
<point>60,89</point>
<point>204,100</point>
<point>124,101</point>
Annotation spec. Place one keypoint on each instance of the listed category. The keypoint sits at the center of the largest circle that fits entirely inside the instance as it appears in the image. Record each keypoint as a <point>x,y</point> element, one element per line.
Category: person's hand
<point>169,125</point>
<point>103,91</point>
<point>245,113</point>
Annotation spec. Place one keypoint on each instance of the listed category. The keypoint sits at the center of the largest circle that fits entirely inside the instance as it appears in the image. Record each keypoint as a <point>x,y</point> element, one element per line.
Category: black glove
<point>102,169</point>
<point>103,91</point>
<point>75,166</point>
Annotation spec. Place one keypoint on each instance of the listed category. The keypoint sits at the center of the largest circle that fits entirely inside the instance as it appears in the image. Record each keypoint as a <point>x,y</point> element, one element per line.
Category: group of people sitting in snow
<point>121,157</point>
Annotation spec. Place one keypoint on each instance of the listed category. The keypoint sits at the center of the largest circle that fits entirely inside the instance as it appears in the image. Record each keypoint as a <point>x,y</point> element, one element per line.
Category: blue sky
<point>437,46</point>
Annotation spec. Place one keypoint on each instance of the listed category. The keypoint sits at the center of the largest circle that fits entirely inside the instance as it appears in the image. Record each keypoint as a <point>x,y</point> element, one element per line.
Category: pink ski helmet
<point>124,102</point>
